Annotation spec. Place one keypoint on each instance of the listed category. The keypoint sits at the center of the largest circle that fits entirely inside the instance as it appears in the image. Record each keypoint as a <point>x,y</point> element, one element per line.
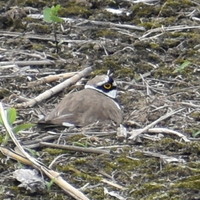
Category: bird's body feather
<point>93,104</point>
<point>85,107</point>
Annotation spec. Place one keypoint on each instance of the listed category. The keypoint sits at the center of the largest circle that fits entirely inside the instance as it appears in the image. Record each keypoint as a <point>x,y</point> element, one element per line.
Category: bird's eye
<point>107,86</point>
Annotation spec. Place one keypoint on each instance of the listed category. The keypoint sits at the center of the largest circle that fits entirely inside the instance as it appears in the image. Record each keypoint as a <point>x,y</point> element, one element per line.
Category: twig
<point>171,28</point>
<point>110,24</point>
<point>165,158</point>
<point>56,89</point>
<point>98,23</point>
<point>166,130</point>
<point>148,2</point>
<point>11,154</point>
<point>49,37</point>
<point>51,78</point>
<point>75,148</point>
<point>137,132</point>
<point>36,142</point>
<point>190,104</point>
<point>32,62</point>
<point>53,175</point>
<point>113,184</point>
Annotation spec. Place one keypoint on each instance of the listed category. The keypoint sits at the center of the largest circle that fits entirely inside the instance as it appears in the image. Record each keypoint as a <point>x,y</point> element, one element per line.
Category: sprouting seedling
<point>196,133</point>
<point>51,16</point>
<point>11,116</point>
<point>182,67</point>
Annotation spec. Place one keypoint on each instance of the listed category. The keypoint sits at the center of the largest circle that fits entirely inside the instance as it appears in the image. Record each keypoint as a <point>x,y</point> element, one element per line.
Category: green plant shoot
<point>51,14</point>
<point>182,67</point>
<point>11,115</point>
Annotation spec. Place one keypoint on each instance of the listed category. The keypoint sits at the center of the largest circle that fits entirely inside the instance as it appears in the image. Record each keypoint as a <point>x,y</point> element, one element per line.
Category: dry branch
<point>137,132</point>
<point>56,89</point>
<point>110,24</point>
<point>51,78</point>
<point>49,37</point>
<point>80,21</point>
<point>32,62</point>
<point>113,184</point>
<point>26,158</point>
<point>74,148</point>
<point>166,130</point>
<point>164,158</point>
<point>165,29</point>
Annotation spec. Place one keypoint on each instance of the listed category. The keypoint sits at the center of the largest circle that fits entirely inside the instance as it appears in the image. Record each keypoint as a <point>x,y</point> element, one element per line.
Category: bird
<point>96,103</point>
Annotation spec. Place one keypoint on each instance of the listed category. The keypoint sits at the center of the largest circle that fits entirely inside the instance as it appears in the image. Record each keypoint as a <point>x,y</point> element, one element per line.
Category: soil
<point>153,50</point>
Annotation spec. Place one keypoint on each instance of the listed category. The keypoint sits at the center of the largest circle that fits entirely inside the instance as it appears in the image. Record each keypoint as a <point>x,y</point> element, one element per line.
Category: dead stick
<point>51,78</point>
<point>56,89</point>
<point>29,62</point>
<point>165,130</point>
<point>55,176</point>
<point>139,131</point>
<point>75,148</point>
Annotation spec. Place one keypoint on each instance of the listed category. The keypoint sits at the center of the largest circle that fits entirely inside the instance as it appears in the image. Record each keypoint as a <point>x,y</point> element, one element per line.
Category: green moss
<point>147,189</point>
<point>88,176</point>
<point>159,195</point>
<point>143,10</point>
<point>194,147</point>
<point>152,186</point>
<point>195,115</point>
<point>178,4</point>
<point>38,46</point>
<point>15,189</point>
<point>194,166</point>
<point>193,36</point>
<point>32,3</point>
<point>171,7</point>
<point>164,71</point>
<point>56,196</point>
<point>154,45</point>
<point>192,182</point>
<point>150,24</point>
<point>40,28</point>
<point>4,92</point>
<point>75,138</point>
<point>97,193</point>
<point>109,167</point>
<point>53,151</point>
<point>80,161</point>
<point>74,9</point>
<point>125,163</point>
<point>114,63</point>
<point>108,33</point>
<point>169,43</point>
<point>168,21</point>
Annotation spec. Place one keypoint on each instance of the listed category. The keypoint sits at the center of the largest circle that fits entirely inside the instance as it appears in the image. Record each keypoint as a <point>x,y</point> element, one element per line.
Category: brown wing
<point>85,107</point>
<point>67,110</point>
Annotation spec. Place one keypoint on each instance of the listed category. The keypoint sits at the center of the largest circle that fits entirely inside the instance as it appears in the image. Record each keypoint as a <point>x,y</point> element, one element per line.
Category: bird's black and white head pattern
<point>104,84</point>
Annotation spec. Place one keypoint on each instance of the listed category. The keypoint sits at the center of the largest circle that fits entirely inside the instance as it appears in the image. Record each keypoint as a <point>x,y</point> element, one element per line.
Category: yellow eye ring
<point>107,86</point>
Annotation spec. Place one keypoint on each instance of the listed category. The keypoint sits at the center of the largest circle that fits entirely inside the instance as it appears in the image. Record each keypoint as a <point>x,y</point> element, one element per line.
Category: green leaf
<point>1,121</point>
<point>47,15</point>
<point>22,127</point>
<point>196,134</point>
<point>56,19</point>
<point>51,14</point>
<point>182,67</point>
<point>11,115</point>
<point>80,144</point>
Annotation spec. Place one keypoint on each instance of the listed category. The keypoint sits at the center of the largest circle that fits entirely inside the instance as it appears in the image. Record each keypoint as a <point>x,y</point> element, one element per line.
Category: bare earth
<point>153,50</point>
